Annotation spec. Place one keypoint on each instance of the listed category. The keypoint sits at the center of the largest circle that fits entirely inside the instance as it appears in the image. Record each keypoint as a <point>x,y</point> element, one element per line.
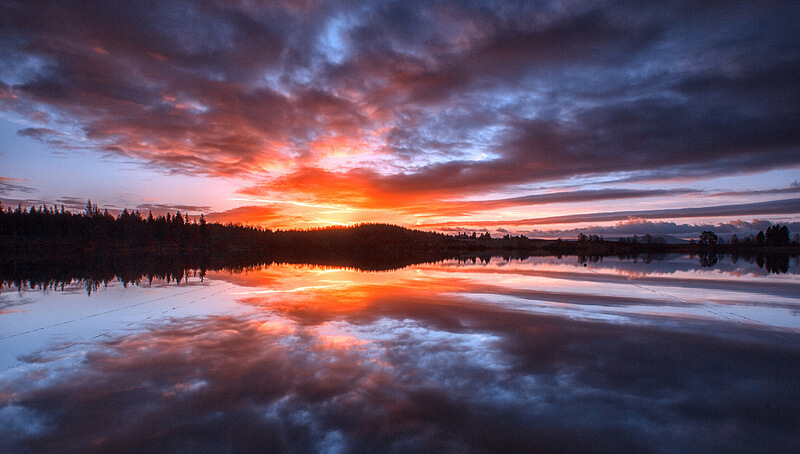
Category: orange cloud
<point>250,214</point>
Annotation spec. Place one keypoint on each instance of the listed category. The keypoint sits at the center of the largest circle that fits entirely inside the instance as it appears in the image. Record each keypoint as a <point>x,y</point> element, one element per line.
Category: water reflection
<point>54,275</point>
<point>540,355</point>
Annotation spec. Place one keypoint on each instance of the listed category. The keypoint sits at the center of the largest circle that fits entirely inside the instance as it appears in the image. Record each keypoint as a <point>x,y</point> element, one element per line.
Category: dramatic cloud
<point>399,104</point>
<point>586,195</point>
<point>370,190</point>
<point>251,214</point>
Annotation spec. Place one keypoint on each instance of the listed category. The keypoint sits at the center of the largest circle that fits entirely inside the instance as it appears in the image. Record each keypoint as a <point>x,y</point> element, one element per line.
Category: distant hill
<point>368,238</point>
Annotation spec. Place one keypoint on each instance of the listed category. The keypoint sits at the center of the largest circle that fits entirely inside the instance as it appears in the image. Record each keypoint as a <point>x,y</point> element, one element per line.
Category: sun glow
<point>295,203</point>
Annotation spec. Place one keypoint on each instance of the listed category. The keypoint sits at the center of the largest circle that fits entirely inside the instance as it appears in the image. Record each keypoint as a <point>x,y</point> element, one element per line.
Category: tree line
<point>37,232</point>
<point>94,225</point>
<point>41,233</point>
<point>776,236</point>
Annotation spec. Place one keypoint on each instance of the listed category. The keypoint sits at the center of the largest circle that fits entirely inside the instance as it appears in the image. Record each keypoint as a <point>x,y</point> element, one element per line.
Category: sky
<point>543,118</point>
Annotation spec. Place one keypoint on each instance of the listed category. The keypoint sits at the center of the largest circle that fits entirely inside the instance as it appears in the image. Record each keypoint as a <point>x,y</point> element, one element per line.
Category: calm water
<point>543,355</point>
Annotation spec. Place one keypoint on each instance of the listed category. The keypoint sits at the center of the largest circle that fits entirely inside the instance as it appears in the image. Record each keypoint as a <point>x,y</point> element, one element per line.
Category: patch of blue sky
<point>275,80</point>
<point>771,179</point>
<point>533,103</point>
<point>331,43</point>
<point>110,181</point>
<point>16,69</point>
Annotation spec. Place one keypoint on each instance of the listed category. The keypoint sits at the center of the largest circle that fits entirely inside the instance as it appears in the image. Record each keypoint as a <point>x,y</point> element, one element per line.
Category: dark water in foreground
<point>540,355</point>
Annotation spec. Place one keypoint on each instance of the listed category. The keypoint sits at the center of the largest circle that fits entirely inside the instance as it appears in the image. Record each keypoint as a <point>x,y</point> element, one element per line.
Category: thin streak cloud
<point>787,206</point>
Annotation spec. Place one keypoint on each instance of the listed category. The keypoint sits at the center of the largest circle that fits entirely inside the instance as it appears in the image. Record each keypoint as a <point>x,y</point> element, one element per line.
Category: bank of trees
<point>776,236</point>
<point>93,225</point>
<point>41,233</point>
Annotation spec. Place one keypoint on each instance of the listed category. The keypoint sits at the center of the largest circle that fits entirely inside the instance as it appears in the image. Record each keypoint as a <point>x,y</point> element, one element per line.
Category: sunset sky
<point>542,118</point>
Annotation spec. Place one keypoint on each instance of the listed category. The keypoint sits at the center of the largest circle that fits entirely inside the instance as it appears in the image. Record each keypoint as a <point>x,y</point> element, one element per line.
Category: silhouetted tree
<point>708,239</point>
<point>777,236</point>
<point>708,260</point>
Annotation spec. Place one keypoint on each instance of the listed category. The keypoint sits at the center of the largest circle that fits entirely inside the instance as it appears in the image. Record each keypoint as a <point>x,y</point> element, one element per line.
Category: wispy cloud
<point>254,214</point>
<point>169,207</point>
<point>9,185</point>
<point>786,206</point>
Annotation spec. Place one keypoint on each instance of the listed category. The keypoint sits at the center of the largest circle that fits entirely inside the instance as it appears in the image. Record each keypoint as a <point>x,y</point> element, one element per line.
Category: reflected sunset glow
<point>457,356</point>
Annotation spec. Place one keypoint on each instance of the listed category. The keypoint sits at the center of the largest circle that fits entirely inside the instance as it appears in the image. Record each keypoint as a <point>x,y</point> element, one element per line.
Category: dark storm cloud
<point>541,90</point>
<point>669,124</point>
<point>508,49</point>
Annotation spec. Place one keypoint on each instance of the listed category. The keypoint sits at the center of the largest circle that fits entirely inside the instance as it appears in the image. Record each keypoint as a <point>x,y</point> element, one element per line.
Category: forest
<point>38,244</point>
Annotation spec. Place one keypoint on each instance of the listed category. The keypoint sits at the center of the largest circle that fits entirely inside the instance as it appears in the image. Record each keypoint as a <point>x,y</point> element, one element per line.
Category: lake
<point>544,354</point>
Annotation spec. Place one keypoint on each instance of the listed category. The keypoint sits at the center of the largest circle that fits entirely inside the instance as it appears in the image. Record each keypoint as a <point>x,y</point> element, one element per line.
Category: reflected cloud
<point>464,377</point>
<point>649,274</point>
<point>539,355</point>
<point>12,304</point>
